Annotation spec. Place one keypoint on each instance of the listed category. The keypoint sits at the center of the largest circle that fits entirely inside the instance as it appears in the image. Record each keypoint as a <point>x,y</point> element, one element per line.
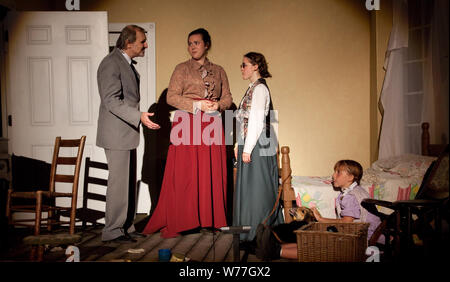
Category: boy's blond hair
<point>352,167</point>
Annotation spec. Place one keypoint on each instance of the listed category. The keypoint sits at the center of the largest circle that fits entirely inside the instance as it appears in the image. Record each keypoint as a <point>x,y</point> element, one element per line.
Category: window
<point>416,60</point>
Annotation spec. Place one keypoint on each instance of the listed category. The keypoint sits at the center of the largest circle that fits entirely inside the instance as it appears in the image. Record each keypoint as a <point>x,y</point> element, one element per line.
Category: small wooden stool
<point>38,243</point>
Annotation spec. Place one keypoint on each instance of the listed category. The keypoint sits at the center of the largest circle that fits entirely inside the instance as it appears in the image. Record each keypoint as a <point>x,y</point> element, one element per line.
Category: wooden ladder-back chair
<point>54,211</point>
<point>86,214</point>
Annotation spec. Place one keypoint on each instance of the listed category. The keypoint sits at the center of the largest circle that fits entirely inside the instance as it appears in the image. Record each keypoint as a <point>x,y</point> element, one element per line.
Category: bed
<point>396,178</point>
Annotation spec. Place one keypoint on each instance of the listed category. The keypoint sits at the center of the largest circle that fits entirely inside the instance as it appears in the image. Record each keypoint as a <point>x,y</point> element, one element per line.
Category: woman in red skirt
<point>193,192</point>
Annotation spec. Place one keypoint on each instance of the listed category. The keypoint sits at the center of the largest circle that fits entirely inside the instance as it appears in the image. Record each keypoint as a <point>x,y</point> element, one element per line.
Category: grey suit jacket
<point>119,115</point>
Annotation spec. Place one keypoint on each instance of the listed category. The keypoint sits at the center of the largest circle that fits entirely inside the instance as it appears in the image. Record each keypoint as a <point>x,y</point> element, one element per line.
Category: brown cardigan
<point>186,84</point>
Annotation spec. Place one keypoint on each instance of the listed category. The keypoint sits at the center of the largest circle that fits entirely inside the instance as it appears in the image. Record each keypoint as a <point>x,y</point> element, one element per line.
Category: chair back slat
<point>98,181</point>
<point>95,196</point>
<point>66,160</point>
<point>64,178</point>
<point>93,164</point>
<point>70,142</point>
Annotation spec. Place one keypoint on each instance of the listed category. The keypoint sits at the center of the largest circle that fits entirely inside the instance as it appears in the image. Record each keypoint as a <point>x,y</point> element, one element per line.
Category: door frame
<point>3,53</point>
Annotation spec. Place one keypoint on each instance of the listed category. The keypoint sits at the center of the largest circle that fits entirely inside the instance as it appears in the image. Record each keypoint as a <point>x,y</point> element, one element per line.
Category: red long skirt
<point>193,192</point>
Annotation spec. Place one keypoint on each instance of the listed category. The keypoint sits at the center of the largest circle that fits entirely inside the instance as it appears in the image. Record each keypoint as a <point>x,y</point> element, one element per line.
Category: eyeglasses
<point>243,65</point>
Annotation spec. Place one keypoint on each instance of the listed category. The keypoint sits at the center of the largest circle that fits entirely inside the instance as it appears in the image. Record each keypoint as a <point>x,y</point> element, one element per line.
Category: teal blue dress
<point>256,191</point>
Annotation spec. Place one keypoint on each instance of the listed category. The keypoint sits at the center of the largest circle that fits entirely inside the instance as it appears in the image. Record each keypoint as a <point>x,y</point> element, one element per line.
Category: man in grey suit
<point>118,131</point>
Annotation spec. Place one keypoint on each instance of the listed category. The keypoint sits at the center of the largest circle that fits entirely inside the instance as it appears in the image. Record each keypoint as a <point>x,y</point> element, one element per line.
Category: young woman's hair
<point>128,35</point>
<point>258,59</point>
<point>205,36</point>
<point>352,167</point>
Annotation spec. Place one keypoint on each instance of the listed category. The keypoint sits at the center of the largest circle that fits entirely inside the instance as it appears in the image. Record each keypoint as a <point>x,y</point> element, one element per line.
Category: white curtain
<point>415,87</point>
<point>392,137</point>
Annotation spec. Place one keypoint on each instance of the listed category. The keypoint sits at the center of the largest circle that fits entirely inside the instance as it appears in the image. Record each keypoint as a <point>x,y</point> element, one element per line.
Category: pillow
<point>426,179</point>
<point>435,184</point>
<point>405,165</point>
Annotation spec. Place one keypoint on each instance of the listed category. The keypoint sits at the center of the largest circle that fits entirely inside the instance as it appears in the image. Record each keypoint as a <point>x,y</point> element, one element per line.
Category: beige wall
<point>318,53</point>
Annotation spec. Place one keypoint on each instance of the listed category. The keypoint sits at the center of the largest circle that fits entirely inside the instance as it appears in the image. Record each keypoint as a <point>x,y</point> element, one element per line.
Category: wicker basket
<point>316,244</point>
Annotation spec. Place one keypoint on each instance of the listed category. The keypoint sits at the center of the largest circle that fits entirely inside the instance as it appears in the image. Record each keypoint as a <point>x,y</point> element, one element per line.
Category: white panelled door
<point>52,62</point>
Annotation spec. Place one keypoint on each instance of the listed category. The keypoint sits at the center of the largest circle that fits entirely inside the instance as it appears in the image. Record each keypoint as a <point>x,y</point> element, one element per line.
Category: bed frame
<point>285,171</point>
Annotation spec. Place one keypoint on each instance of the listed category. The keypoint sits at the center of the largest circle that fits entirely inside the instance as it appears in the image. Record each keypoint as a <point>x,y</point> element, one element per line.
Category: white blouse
<point>257,119</point>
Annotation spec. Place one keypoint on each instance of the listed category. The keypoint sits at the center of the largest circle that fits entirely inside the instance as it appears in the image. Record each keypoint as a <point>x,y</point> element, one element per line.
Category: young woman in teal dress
<point>255,151</point>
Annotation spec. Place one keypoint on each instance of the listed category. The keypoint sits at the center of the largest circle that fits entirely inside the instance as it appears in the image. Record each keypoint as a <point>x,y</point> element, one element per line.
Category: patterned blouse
<point>253,114</point>
<point>191,80</point>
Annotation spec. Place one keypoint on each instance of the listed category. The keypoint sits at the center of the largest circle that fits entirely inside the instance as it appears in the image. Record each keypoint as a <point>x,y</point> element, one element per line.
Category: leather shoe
<point>136,235</point>
<point>122,239</point>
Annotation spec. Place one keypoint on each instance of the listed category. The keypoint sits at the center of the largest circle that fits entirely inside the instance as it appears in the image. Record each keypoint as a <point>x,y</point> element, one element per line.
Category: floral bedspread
<point>311,191</point>
<point>393,179</point>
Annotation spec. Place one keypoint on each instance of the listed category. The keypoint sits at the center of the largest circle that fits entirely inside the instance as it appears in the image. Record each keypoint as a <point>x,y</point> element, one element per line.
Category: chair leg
<point>37,253</point>
<point>438,225</point>
<point>397,234</point>
<point>73,215</point>
<point>8,206</point>
<point>432,236</point>
<point>409,229</point>
<point>387,245</point>
<point>33,252</point>
<point>37,223</point>
<point>50,216</point>
<point>40,253</point>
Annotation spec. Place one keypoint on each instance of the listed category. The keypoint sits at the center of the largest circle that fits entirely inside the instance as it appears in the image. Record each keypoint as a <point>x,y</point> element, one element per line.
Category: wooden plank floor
<point>200,246</point>
<point>196,246</point>
<point>203,247</point>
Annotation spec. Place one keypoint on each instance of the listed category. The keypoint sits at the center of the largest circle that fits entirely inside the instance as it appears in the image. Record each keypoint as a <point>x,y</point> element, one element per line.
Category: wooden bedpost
<point>286,176</point>
<point>425,138</point>
<point>429,149</point>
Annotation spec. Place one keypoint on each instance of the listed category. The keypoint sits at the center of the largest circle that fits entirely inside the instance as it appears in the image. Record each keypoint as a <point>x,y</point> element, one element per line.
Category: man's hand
<point>145,119</point>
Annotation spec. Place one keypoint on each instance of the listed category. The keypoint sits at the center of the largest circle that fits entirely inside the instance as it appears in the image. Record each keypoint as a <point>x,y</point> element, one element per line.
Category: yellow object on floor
<point>178,258</point>
<point>417,241</point>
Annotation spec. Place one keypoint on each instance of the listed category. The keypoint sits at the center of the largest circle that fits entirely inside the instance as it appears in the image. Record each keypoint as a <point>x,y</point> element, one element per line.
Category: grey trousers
<point>120,194</point>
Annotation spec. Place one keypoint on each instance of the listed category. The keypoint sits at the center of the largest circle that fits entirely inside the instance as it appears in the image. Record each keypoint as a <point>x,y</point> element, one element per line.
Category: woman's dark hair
<point>128,35</point>
<point>352,167</point>
<point>258,59</point>
<point>205,36</point>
